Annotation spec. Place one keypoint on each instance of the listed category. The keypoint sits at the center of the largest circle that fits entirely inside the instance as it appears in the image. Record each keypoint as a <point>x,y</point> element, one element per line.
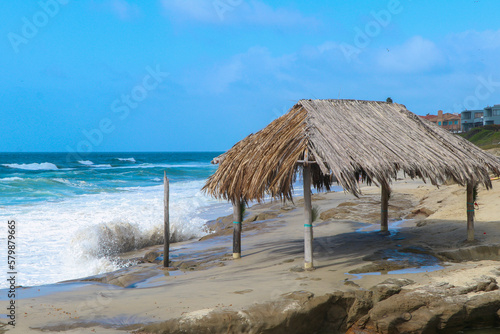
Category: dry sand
<point>345,241</point>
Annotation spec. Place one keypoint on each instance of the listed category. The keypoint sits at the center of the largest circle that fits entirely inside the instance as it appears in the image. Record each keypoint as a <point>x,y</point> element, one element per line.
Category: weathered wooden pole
<point>308,230</point>
<point>384,211</point>
<point>237,229</point>
<point>166,223</point>
<point>470,211</point>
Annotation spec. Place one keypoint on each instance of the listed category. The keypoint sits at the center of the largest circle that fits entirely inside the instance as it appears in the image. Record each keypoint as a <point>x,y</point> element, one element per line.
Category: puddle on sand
<point>118,322</point>
<point>43,290</point>
<point>414,260</point>
<point>394,228</point>
<point>414,270</point>
<point>155,281</point>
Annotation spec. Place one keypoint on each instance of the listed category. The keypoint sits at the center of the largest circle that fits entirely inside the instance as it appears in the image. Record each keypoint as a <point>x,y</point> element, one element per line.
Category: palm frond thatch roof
<point>346,139</point>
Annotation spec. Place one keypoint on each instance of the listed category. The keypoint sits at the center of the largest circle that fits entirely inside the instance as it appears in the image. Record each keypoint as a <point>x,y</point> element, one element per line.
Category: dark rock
<point>360,306</point>
<point>384,291</point>
<point>420,213</point>
<point>401,282</point>
<point>481,309</point>
<point>487,284</point>
<point>351,283</point>
<point>151,256</point>
<point>220,224</point>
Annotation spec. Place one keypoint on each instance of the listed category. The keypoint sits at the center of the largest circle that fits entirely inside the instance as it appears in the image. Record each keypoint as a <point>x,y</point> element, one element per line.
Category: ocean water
<point>73,216</point>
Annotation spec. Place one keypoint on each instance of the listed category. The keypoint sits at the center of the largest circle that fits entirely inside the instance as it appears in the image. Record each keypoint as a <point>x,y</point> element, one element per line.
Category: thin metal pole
<point>470,212</point>
<point>384,211</point>
<point>308,230</point>
<point>166,223</point>
<point>237,229</point>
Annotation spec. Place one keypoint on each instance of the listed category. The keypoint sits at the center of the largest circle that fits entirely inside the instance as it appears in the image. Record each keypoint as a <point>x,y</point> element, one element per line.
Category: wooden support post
<point>308,230</point>
<point>237,229</point>
<point>166,223</point>
<point>384,211</point>
<point>470,212</point>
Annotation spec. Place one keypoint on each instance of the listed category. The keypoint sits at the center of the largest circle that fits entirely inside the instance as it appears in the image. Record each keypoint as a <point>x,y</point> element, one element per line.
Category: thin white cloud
<point>195,10</point>
<point>255,67</point>
<point>260,13</point>
<point>328,46</point>
<point>122,9</point>
<point>475,40</point>
<point>219,78</point>
<point>474,48</point>
<point>236,12</point>
<point>415,55</point>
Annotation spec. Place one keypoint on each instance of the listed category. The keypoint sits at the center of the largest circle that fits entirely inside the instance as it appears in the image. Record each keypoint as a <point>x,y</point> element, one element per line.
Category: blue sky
<point>199,75</point>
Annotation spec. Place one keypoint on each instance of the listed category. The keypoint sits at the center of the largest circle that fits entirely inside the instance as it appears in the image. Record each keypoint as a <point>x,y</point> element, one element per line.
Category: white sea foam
<point>148,165</point>
<point>103,166</point>
<point>33,166</point>
<point>75,183</point>
<point>79,236</point>
<point>86,162</point>
<point>126,159</point>
<point>9,179</point>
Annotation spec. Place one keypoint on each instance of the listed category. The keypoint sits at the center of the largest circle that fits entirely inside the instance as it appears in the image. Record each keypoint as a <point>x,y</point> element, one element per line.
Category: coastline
<point>210,288</point>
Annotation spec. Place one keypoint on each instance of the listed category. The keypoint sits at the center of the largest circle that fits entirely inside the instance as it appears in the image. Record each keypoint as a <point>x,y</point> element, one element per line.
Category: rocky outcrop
<point>389,307</point>
<point>151,256</point>
<point>434,309</point>
<point>297,312</point>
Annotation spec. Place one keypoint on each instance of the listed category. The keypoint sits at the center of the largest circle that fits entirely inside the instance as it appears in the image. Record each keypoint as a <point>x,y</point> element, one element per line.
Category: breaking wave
<point>33,166</point>
<point>9,179</point>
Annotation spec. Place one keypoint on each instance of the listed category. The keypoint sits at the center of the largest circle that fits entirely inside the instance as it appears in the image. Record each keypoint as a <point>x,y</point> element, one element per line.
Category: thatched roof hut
<point>346,138</point>
<point>342,140</point>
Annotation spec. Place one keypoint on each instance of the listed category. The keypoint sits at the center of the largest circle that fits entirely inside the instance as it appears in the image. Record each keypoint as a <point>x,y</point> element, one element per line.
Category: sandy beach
<point>267,289</point>
<point>256,167</point>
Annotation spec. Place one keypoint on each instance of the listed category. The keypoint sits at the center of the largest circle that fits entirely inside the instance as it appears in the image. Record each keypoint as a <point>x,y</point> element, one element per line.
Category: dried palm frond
<point>347,139</point>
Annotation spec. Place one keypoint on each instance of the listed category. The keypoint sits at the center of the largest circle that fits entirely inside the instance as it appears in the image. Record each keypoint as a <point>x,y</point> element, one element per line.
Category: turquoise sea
<point>73,214</point>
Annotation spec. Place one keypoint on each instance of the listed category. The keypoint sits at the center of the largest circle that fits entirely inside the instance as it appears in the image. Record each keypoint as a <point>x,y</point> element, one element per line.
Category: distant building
<point>475,118</point>
<point>492,115</point>
<point>450,122</point>
<point>472,119</point>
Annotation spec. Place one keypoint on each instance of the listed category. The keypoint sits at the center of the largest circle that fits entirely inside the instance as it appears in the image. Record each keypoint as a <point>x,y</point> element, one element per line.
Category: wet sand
<point>427,227</point>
